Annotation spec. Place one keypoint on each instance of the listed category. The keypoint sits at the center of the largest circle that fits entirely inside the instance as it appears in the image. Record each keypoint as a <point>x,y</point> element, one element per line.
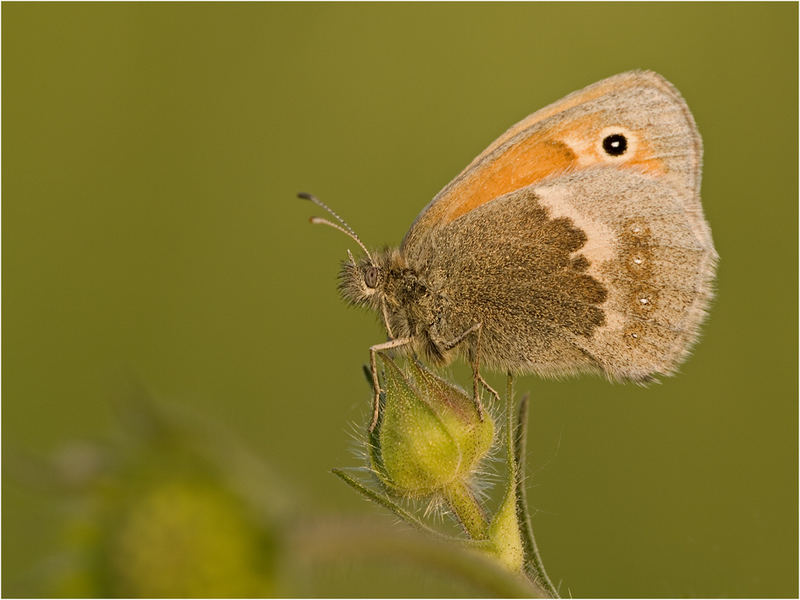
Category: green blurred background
<point>151,155</point>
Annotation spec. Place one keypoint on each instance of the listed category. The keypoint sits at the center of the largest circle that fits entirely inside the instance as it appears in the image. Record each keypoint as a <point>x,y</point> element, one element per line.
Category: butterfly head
<point>361,282</point>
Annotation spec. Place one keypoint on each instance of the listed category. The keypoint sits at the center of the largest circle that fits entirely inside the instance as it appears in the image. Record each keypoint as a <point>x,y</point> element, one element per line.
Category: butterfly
<point>574,243</point>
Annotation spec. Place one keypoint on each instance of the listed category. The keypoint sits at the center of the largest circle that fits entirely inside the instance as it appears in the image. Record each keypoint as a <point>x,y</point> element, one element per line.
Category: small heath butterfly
<point>574,243</point>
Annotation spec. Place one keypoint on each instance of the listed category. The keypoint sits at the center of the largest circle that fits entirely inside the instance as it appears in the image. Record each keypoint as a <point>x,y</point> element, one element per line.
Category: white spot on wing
<point>600,241</point>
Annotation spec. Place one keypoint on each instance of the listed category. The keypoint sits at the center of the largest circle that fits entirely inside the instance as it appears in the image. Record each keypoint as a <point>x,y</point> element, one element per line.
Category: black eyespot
<point>371,276</point>
<point>615,145</point>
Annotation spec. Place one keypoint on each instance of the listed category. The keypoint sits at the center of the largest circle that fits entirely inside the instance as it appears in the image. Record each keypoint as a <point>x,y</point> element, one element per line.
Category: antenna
<point>345,229</point>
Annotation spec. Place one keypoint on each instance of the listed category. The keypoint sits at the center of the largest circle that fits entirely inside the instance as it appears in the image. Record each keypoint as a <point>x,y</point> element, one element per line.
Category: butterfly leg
<point>488,388</point>
<point>373,351</point>
<point>386,323</point>
<point>477,378</point>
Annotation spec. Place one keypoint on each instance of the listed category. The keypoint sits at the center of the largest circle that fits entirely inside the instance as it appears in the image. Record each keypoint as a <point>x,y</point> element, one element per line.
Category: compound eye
<point>615,144</point>
<point>371,276</point>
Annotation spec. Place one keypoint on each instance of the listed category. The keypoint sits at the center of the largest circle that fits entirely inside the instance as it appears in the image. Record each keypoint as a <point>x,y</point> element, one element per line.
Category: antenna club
<point>306,196</point>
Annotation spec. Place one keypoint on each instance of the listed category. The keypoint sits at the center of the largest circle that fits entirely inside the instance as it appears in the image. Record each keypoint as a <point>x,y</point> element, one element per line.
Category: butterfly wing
<point>661,138</point>
<point>596,270</point>
<point>573,257</point>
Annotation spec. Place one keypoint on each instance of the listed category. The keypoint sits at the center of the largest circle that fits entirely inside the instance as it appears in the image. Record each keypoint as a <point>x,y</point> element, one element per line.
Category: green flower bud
<point>188,539</point>
<point>173,513</point>
<point>430,436</point>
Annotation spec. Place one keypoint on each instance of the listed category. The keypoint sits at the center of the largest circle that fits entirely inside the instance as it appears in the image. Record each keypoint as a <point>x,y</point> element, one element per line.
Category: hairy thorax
<point>413,305</point>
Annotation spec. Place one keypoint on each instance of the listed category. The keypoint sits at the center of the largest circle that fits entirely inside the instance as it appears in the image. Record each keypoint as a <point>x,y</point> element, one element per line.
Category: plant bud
<point>430,435</point>
<point>170,514</point>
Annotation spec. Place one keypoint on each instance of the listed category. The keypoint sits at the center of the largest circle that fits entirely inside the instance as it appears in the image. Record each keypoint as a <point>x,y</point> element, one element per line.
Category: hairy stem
<point>534,565</point>
<point>466,507</point>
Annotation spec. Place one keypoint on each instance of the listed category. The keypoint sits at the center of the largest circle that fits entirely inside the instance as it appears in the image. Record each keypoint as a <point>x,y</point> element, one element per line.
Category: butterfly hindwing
<point>595,270</point>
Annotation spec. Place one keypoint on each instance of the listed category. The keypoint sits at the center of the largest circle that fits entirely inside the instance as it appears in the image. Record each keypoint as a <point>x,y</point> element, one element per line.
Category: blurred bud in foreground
<point>173,509</point>
<point>189,539</point>
<point>429,439</point>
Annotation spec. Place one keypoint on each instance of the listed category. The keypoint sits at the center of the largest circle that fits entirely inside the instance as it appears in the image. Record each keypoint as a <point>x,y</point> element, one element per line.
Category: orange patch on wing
<point>520,166</point>
<point>573,146</point>
<point>646,162</point>
<point>618,83</point>
<point>570,101</point>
